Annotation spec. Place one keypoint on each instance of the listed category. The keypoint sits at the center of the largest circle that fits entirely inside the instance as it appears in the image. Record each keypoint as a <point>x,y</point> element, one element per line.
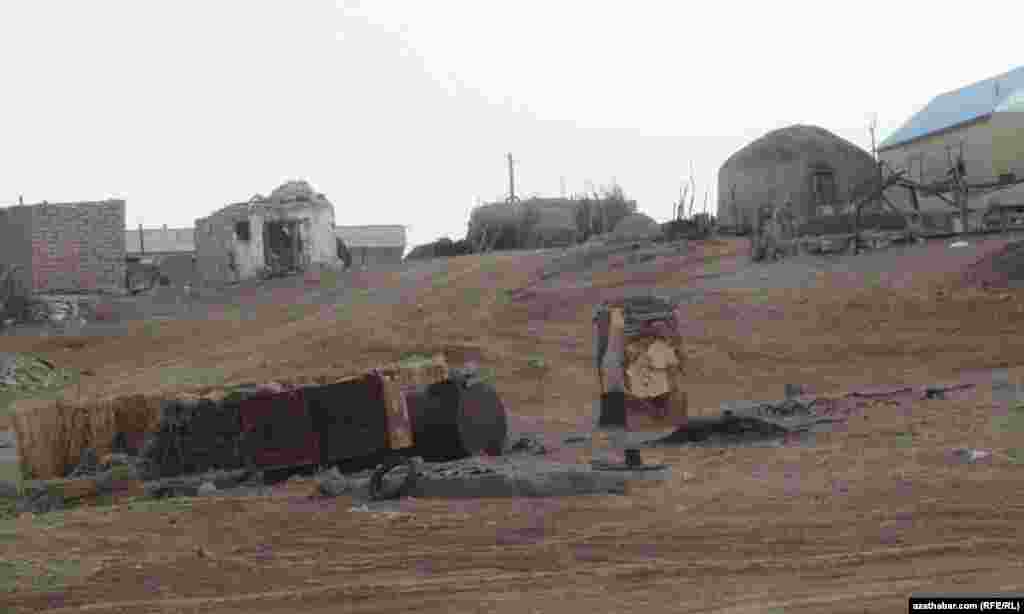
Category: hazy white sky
<point>402,112</point>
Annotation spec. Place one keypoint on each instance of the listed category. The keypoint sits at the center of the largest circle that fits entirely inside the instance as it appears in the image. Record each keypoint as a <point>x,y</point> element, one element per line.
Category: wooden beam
<point>614,358</point>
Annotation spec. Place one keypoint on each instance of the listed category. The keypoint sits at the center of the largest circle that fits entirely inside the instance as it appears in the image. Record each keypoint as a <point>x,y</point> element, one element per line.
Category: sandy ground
<point>876,509</point>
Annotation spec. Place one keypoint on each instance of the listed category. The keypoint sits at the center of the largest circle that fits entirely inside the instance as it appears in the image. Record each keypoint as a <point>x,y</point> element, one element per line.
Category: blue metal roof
<point>957,107</point>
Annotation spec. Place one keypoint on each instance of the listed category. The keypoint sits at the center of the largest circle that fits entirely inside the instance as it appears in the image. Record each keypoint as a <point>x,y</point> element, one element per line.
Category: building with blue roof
<point>981,124</point>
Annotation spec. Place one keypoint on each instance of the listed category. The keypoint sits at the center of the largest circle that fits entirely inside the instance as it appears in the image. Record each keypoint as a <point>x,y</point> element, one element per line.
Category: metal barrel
<point>452,420</point>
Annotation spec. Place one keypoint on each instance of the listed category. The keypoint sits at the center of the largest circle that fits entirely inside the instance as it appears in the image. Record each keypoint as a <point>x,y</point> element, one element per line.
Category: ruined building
<point>65,247</point>
<point>807,166</point>
<point>292,229</point>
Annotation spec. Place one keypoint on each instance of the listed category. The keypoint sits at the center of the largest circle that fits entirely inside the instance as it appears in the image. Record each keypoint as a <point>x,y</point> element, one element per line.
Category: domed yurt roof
<point>298,190</point>
<point>795,142</point>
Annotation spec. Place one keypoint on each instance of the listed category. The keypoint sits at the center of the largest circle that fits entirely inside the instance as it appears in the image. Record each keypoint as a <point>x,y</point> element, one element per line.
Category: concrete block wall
<point>16,242</point>
<point>78,246</point>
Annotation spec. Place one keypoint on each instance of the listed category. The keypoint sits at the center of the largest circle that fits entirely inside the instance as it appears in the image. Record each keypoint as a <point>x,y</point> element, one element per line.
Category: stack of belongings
<point>195,435</point>
<point>275,425</point>
<point>211,437</point>
<point>640,360</point>
<point>277,428</point>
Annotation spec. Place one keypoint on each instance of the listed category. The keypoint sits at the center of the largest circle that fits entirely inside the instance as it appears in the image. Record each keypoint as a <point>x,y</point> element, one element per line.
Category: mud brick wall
<point>78,246</point>
<point>16,242</point>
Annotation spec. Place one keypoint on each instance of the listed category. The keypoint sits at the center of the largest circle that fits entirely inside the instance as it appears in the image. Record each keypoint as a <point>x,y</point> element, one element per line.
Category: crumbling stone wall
<point>67,246</point>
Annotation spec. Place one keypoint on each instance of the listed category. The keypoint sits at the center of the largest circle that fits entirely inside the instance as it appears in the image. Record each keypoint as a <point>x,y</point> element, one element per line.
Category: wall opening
<point>823,186</point>
<point>243,230</point>
<point>282,245</point>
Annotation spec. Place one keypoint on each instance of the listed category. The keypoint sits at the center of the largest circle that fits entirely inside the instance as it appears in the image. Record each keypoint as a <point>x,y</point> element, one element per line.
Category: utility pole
<point>873,128</point>
<point>511,180</point>
<point>562,182</point>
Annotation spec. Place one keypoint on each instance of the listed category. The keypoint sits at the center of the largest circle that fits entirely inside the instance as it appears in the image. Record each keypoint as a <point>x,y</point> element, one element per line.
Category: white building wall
<point>217,243</point>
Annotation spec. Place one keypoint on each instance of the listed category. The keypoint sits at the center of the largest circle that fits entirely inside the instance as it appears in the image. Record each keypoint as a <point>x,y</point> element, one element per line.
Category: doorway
<point>281,245</point>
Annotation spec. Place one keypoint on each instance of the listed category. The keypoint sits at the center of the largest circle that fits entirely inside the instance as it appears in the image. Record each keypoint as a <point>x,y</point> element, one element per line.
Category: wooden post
<point>613,363</point>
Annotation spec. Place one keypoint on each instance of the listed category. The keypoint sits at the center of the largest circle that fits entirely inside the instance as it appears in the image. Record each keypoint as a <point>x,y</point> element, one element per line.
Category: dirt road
<point>878,508</point>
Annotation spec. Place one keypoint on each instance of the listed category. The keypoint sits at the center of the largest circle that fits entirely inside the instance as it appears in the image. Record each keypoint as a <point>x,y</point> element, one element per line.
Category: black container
<point>350,418</point>
<point>455,419</point>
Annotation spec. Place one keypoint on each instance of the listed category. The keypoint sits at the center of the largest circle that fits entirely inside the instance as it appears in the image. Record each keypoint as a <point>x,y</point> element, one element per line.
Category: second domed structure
<point>808,166</point>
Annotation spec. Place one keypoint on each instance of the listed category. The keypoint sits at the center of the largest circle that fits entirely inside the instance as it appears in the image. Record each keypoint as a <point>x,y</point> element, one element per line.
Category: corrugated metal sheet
<point>371,236</point>
<point>160,240</point>
<point>1014,103</point>
<point>957,107</point>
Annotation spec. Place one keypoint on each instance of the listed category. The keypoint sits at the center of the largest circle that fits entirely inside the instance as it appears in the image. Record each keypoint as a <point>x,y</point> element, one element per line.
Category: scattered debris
<point>523,477</point>
<point>206,489</point>
<point>880,393</point>
<point>794,390</point>
<point>39,502</point>
<point>527,445</point>
<point>378,485</point>
<point>970,455</point>
<point>752,422</point>
<point>188,486</point>
<point>1002,269</point>
<point>939,392</point>
<point>89,464</point>
<point>26,374</point>
<point>333,484</point>
<point>8,490</point>
<point>60,308</point>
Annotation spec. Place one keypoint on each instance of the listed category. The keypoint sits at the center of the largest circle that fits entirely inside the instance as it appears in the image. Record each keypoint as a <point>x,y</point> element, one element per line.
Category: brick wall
<point>78,246</point>
<point>16,242</point>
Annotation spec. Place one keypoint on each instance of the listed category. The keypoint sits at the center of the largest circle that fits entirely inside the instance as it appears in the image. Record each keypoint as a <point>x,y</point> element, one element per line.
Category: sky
<point>403,112</point>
